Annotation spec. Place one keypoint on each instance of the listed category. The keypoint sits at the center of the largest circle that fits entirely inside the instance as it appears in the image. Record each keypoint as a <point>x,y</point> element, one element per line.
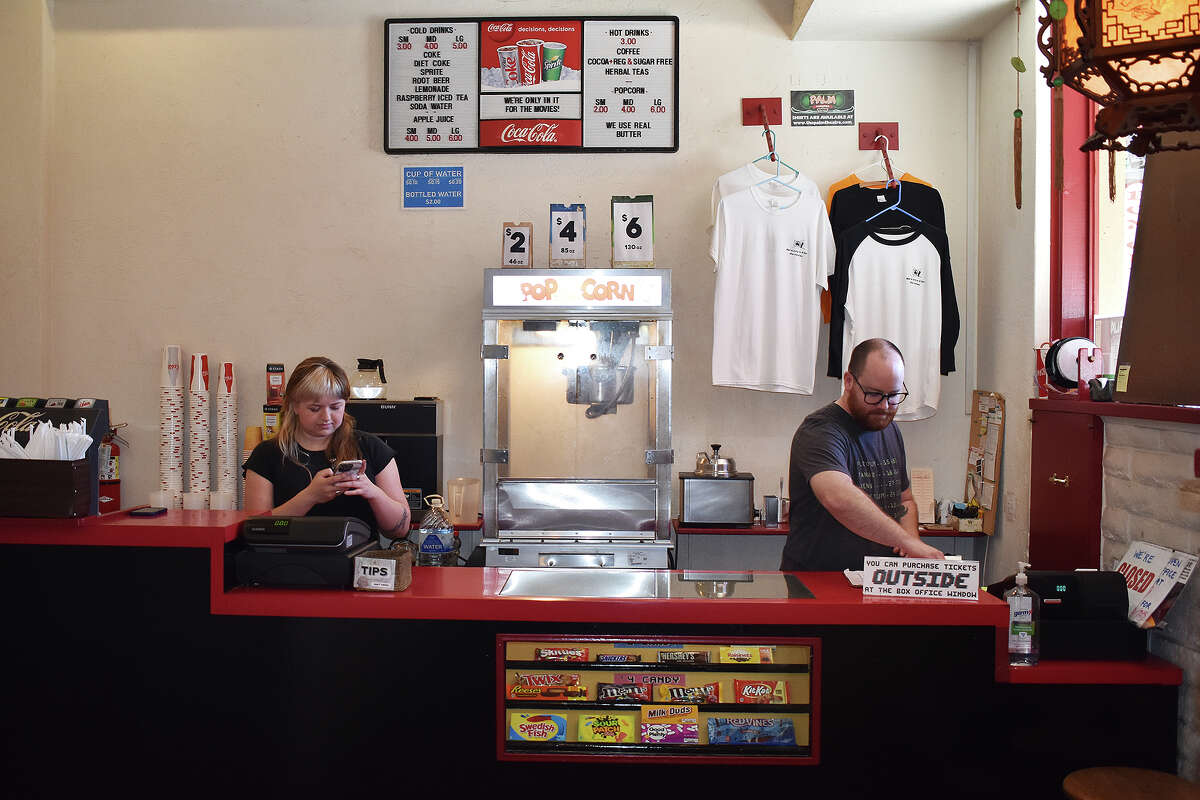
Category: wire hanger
<point>891,181</point>
<point>882,162</point>
<point>773,156</point>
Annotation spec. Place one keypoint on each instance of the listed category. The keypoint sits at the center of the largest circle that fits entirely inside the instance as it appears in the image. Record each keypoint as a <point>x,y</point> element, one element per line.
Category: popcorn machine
<point>577,418</point>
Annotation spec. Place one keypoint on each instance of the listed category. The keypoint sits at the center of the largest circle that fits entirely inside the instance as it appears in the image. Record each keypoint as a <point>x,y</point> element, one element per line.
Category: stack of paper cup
<point>170,429</point>
<point>198,426</point>
<point>226,432</point>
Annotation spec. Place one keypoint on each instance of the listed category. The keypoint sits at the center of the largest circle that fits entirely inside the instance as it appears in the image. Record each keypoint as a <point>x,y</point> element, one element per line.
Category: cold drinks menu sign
<point>515,85</point>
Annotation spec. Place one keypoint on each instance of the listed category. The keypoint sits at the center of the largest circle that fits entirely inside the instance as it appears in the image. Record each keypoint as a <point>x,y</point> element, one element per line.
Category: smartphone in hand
<point>351,468</point>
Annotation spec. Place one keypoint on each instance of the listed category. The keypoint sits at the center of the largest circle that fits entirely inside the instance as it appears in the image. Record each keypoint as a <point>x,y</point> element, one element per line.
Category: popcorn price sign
<point>633,231</point>
<point>568,235</point>
<point>515,241</point>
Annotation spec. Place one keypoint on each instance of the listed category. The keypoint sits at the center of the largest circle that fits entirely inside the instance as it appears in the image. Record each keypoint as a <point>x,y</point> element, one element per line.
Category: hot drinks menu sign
<point>518,85</point>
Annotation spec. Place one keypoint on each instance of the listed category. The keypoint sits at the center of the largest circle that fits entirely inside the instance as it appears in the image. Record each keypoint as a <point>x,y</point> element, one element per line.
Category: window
<point>1092,235</point>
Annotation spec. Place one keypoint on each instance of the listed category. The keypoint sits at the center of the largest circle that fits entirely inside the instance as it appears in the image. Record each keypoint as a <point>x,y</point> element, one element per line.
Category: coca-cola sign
<point>538,133</point>
<point>499,31</point>
<point>530,133</point>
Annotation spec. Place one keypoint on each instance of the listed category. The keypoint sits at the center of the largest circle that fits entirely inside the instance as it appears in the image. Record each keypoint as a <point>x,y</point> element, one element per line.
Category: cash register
<point>300,551</point>
<point>1084,615</point>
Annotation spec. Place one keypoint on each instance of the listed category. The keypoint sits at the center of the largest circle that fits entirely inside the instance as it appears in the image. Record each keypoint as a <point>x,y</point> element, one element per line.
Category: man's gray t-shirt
<point>831,439</point>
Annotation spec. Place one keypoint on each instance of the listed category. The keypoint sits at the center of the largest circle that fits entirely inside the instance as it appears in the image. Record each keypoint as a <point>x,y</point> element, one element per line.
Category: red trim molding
<point>1073,225</point>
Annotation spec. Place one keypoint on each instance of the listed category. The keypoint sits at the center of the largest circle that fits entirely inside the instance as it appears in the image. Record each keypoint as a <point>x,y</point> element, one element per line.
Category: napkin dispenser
<point>1084,615</point>
<point>39,488</point>
<point>300,551</point>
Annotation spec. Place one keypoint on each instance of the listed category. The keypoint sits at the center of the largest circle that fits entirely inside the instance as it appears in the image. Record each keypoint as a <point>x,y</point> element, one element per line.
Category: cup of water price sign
<point>515,240</point>
<point>568,236</point>
<point>633,231</point>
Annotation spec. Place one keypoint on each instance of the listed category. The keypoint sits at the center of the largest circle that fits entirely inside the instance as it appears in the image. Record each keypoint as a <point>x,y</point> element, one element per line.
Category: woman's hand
<point>357,486</point>
<point>324,487</point>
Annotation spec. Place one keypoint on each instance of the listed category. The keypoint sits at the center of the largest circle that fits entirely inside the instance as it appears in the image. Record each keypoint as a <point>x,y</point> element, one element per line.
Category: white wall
<point>219,182</point>
<point>26,61</point>
<point>1013,277</point>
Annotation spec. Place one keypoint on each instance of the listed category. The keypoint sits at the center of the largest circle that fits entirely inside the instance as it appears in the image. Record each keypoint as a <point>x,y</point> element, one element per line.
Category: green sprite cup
<point>552,60</point>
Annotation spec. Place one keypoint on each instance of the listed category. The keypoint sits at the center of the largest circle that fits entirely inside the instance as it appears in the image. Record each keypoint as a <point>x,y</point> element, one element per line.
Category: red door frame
<point>1073,223</point>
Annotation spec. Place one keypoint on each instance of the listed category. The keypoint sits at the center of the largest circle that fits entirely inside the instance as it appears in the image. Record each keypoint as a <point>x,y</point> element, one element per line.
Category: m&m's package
<point>537,727</point>
<point>622,693</point>
<point>708,693</point>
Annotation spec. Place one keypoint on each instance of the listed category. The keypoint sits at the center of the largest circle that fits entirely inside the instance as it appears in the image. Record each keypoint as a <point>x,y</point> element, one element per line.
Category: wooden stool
<point>1127,783</point>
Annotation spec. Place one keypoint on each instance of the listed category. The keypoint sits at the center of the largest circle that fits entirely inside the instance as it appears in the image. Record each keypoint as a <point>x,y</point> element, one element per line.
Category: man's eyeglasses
<point>873,398</point>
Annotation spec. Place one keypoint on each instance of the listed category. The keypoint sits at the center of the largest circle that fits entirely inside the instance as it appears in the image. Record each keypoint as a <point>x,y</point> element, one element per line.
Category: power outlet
<point>1010,506</point>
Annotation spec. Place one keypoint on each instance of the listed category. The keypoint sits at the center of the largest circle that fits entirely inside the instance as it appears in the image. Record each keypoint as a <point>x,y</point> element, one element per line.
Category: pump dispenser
<point>1024,620</point>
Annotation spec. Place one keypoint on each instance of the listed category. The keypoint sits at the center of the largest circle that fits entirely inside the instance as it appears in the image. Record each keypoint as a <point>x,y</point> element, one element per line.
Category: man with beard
<point>849,479</point>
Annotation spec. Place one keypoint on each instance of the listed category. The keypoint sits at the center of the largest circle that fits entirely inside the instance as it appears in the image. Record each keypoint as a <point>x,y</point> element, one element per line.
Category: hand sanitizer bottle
<point>1024,620</point>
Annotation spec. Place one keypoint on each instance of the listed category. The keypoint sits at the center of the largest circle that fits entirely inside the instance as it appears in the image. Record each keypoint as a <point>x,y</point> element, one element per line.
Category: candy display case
<point>706,699</point>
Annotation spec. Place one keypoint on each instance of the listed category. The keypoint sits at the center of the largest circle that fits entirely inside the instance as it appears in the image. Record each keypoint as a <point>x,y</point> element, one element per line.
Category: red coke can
<point>529,52</point>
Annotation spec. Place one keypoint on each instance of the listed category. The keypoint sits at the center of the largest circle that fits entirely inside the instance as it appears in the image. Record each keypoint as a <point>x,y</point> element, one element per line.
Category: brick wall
<point>1150,493</point>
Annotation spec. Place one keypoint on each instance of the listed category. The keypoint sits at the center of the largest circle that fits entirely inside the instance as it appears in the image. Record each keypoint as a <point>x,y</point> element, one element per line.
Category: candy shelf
<point>554,728</point>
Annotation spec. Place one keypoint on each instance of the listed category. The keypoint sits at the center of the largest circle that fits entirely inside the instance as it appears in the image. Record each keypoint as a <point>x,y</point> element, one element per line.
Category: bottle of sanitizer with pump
<point>1024,620</point>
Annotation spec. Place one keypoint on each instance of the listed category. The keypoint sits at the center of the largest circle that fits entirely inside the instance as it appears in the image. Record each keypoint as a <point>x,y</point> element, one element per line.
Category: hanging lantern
<point>1137,59</point>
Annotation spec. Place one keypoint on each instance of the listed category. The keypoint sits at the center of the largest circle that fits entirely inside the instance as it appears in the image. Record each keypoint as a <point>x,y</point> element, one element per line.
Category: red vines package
<point>770,692</point>
<point>622,693</point>
<point>560,654</point>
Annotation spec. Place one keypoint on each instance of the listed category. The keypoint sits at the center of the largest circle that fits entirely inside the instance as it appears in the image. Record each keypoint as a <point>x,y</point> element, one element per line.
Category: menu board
<point>532,84</point>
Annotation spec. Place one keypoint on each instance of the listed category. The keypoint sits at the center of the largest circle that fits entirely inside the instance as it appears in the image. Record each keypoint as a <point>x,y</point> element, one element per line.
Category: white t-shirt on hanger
<point>773,249</point>
<point>750,174</point>
<point>894,291</point>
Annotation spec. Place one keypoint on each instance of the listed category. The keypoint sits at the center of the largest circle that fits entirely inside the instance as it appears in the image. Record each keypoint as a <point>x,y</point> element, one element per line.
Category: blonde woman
<point>292,473</point>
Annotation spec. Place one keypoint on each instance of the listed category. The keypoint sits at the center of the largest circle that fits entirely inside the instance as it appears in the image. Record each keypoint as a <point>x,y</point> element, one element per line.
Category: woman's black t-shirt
<point>289,478</point>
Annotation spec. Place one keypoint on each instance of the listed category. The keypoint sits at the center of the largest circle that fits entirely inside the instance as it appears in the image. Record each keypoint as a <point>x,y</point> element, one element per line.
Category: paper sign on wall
<point>516,239</point>
<point>925,578</point>
<point>633,231</point>
<point>434,187</point>
<point>568,236</point>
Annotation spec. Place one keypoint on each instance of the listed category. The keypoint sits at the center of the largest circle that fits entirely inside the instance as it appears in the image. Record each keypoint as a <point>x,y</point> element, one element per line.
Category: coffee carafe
<point>368,382</point>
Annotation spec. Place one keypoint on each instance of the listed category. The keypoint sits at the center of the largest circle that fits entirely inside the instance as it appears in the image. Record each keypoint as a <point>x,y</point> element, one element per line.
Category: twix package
<point>547,687</point>
<point>757,691</point>
<point>560,654</point>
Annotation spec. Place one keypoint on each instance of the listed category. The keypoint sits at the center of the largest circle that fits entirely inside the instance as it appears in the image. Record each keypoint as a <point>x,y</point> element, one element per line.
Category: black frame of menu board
<point>391,147</point>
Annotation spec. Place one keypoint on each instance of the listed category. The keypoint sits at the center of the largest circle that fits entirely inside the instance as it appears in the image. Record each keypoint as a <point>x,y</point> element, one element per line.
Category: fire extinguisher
<point>110,469</point>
